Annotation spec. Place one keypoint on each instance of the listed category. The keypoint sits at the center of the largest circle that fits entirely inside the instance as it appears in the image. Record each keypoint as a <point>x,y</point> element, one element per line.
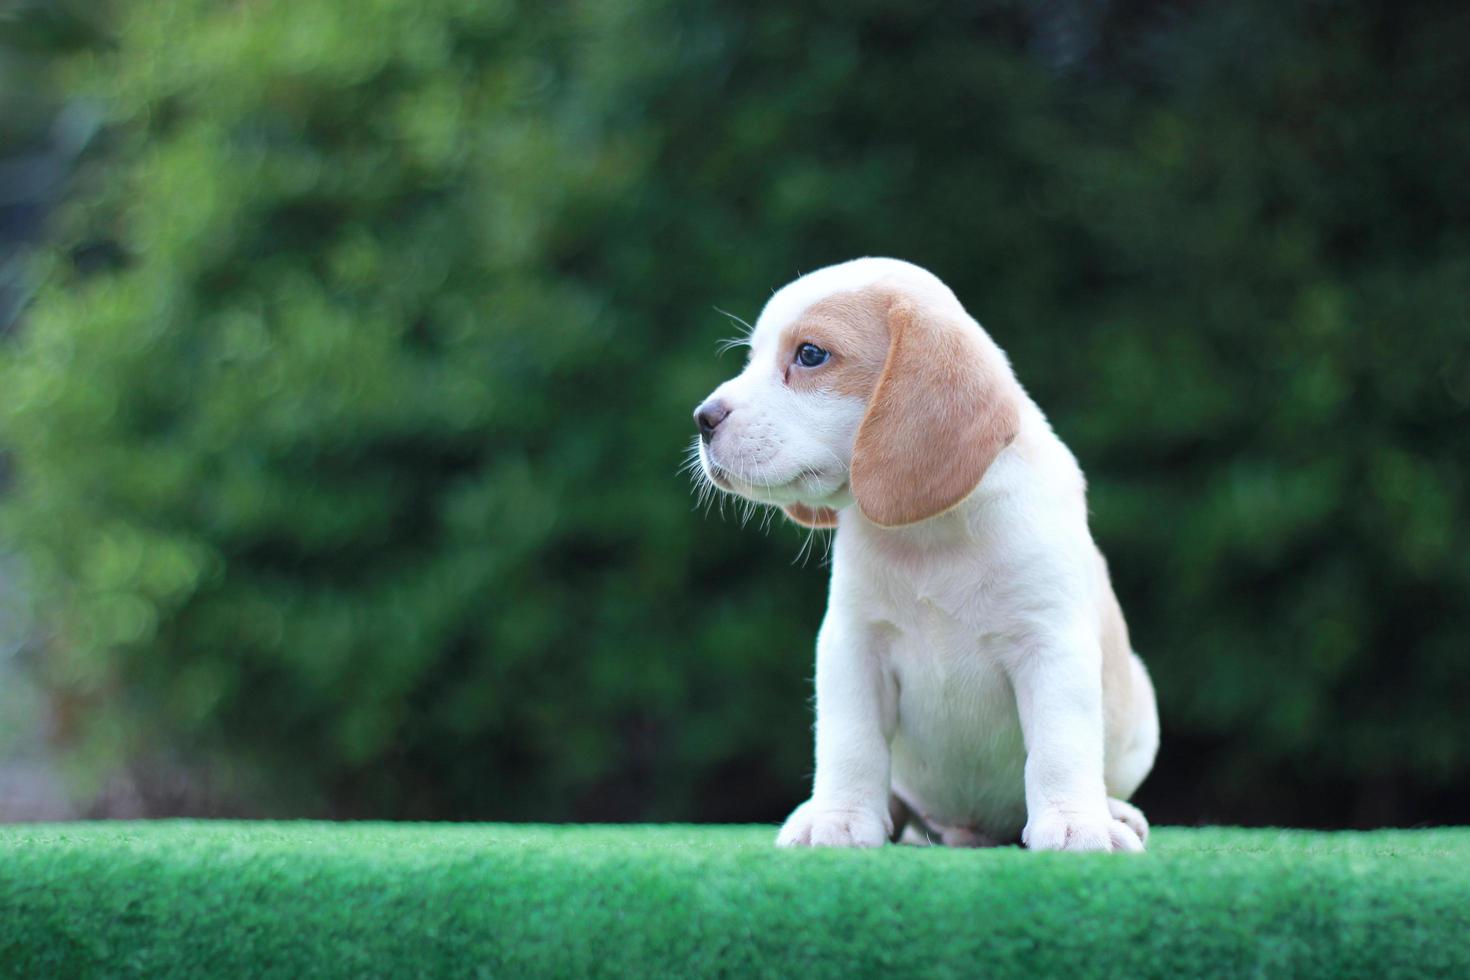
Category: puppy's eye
<point>810,355</point>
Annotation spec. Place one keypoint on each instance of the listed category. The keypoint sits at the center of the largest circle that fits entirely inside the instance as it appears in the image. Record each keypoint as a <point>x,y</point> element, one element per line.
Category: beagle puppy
<point>975,683</point>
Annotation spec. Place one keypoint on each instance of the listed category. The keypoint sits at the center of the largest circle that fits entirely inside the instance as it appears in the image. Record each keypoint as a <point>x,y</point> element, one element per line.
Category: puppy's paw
<point>1130,815</point>
<point>1059,830</point>
<point>809,826</point>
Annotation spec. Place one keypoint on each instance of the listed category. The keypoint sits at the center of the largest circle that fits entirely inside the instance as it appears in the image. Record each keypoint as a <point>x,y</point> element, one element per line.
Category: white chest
<point>958,757</point>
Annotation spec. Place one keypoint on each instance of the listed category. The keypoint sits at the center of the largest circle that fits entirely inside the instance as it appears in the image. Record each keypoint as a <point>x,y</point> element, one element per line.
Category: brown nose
<point>709,416</point>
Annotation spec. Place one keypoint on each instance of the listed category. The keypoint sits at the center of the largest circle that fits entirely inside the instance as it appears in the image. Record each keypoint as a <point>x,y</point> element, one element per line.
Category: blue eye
<point>810,355</point>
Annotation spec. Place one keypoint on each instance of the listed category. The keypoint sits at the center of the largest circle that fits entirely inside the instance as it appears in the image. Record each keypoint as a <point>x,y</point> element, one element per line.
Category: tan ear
<point>945,406</point>
<point>811,516</point>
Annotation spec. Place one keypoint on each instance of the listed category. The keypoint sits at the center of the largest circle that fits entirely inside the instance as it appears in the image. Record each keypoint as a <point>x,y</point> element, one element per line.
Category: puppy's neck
<point>943,534</point>
<point>968,526</point>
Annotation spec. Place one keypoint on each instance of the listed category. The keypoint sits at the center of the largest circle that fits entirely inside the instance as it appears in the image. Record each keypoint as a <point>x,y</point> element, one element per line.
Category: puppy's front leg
<point>856,714</point>
<point>1058,686</point>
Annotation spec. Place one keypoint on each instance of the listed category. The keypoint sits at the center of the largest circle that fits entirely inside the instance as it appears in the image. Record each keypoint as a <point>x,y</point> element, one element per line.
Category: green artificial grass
<point>314,899</point>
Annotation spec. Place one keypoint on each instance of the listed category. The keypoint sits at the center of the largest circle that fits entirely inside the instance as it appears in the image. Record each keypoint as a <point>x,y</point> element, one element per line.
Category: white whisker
<point>730,343</point>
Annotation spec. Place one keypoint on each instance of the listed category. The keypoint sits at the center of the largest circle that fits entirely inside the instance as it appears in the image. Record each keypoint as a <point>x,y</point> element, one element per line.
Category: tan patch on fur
<point>811,516</point>
<point>853,328</point>
<point>943,408</point>
<point>1117,653</point>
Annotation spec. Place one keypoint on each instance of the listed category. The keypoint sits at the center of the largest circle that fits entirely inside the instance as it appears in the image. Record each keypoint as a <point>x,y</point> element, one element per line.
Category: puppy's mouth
<point>730,483</point>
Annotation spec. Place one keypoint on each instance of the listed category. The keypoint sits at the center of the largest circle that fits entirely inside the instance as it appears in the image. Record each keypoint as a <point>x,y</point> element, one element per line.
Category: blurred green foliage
<point>39,136</point>
<point>347,420</point>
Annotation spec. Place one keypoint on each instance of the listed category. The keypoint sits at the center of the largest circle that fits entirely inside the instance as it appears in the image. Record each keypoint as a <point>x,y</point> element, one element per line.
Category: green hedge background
<point>345,419</point>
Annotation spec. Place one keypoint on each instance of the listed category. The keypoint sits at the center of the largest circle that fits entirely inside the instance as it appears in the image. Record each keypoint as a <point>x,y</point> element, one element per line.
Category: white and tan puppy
<point>974,676</point>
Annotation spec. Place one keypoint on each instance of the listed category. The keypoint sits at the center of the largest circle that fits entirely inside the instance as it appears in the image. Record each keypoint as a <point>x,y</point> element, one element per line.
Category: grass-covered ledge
<point>312,899</point>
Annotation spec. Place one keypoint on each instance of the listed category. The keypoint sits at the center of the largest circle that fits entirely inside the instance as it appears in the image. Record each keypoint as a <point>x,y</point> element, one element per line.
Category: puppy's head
<point>867,382</point>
